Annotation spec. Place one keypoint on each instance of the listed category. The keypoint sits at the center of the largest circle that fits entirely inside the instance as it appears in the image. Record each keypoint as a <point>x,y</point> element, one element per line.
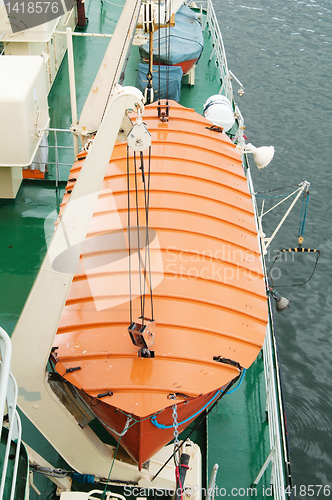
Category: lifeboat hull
<point>186,65</point>
<point>140,437</point>
<point>181,45</point>
<point>209,299</point>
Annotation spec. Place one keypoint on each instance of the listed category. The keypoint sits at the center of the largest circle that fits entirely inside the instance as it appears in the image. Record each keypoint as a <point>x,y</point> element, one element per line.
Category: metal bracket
<point>142,335</point>
<point>125,128</point>
<point>163,111</point>
<point>139,138</point>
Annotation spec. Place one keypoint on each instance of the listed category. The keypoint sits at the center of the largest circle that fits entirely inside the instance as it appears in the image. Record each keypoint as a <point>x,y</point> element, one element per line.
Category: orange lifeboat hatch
<point>204,288</point>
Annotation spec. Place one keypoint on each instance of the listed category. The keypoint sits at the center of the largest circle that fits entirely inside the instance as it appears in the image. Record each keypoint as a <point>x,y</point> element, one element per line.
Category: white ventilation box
<point>23,109</point>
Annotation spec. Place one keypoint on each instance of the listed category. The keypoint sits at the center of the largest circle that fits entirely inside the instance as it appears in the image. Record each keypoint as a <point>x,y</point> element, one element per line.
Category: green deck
<point>237,431</point>
<point>238,436</point>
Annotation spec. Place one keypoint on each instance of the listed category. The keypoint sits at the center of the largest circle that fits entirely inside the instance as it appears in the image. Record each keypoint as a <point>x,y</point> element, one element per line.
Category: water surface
<point>281,52</point>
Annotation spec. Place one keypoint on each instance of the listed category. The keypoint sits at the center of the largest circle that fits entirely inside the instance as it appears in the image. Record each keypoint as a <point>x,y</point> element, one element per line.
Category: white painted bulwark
<point>23,108</point>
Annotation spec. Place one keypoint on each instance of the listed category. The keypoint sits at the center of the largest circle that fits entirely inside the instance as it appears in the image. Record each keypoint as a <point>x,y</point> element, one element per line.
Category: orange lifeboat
<point>208,295</point>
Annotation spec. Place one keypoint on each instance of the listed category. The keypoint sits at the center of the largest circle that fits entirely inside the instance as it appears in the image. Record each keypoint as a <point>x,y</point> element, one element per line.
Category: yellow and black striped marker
<point>299,250</point>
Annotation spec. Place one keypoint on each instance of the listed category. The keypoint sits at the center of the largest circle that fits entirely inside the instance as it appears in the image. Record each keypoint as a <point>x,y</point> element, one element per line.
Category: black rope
<point>231,383</point>
<point>147,225</point>
<point>165,23</point>
<point>168,45</point>
<point>300,251</point>
<point>169,53</point>
<point>147,240</point>
<point>138,238</point>
<point>142,169</point>
<point>277,189</point>
<point>129,246</point>
<point>159,16</point>
<point>150,70</point>
<point>169,49</point>
<point>146,233</point>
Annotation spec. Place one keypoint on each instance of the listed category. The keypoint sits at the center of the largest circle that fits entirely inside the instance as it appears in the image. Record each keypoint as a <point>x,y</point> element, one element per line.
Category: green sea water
<point>281,52</point>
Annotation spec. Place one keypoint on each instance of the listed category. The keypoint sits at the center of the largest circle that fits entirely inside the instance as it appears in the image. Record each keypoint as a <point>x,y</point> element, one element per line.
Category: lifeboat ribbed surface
<point>208,292</point>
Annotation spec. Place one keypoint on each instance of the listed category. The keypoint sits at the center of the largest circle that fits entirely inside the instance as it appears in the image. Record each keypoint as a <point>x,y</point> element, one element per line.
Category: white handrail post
<point>264,467</point>
<point>8,393</point>
<point>6,354</point>
<point>212,482</point>
<point>11,403</point>
<point>17,454</point>
<point>56,159</point>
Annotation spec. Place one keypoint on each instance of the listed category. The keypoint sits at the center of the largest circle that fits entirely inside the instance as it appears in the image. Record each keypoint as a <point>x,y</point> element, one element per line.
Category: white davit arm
<point>109,72</point>
<point>36,328</point>
<point>112,65</point>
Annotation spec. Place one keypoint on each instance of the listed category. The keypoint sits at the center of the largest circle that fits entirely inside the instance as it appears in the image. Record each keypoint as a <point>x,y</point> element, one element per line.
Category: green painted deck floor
<point>237,432</point>
<point>238,436</point>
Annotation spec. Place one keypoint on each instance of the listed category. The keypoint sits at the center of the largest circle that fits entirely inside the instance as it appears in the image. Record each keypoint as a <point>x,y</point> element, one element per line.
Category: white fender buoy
<point>218,110</point>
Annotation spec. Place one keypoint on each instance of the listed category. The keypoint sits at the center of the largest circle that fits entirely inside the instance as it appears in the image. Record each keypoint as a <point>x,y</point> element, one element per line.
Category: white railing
<point>8,399</point>
<point>57,149</point>
<point>279,453</point>
<point>218,55</point>
<point>218,51</point>
<point>278,456</point>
